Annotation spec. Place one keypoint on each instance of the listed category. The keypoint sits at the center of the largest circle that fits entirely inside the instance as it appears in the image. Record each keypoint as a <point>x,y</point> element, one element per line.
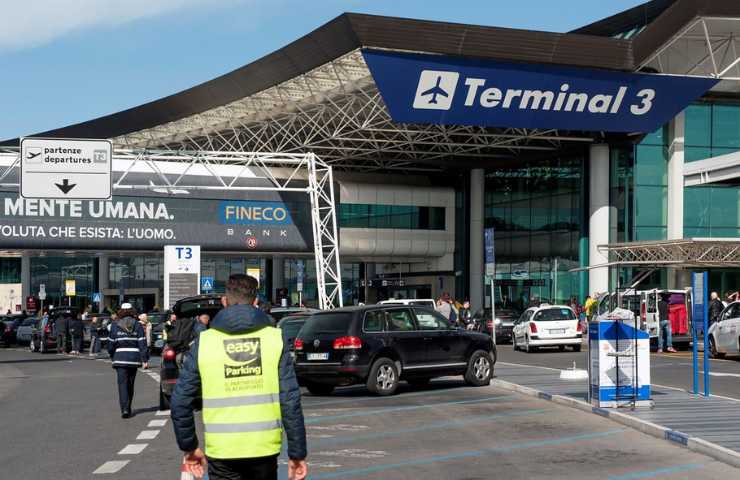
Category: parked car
<point>505,318</point>
<point>548,326</point>
<point>290,326</point>
<point>7,332</point>
<point>421,302</point>
<point>24,333</point>
<point>50,330</point>
<point>724,335</point>
<point>278,313</point>
<point>189,307</point>
<point>380,345</point>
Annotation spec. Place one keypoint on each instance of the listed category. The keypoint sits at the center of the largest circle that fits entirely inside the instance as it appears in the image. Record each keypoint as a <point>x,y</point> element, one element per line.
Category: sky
<point>68,61</point>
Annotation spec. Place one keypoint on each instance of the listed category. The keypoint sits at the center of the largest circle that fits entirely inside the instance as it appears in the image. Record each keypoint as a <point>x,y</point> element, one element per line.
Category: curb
<point>695,444</point>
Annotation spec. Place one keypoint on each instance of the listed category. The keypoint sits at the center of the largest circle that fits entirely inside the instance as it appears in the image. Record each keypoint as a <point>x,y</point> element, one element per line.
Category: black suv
<point>380,345</point>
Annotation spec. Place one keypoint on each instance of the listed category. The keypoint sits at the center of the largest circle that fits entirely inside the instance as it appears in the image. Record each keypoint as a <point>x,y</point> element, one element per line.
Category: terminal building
<point>559,142</point>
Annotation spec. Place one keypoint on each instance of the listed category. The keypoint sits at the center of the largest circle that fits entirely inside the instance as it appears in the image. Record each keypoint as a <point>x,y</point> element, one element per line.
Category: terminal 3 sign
<point>446,90</point>
<point>267,223</point>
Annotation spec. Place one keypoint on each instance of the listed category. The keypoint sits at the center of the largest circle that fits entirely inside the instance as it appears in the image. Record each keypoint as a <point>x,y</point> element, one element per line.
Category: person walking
<point>61,327</point>
<point>715,308</point>
<point>147,325</point>
<point>76,333</point>
<point>443,305</point>
<point>243,371</point>
<point>465,315</point>
<point>127,348</point>
<point>665,331</point>
<point>94,336</point>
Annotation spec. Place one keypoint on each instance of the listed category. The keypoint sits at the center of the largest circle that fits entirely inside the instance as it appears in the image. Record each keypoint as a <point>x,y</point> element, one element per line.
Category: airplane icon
<point>31,155</point>
<point>435,91</point>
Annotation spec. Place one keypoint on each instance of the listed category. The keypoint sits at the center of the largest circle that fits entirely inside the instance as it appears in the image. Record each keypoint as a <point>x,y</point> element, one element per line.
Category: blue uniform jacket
<point>127,343</point>
<point>234,320</point>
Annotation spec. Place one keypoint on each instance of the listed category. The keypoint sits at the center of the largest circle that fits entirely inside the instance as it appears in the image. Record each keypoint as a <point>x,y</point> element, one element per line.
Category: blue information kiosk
<point>619,361</point>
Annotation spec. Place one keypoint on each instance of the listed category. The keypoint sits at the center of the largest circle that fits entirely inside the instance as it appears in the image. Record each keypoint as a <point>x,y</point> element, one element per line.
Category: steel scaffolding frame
<point>686,253</point>
<point>172,171</point>
<point>337,112</point>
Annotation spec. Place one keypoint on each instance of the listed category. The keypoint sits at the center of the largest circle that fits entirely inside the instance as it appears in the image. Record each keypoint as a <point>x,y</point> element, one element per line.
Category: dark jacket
<point>61,326</point>
<point>715,310</point>
<point>75,327</point>
<point>238,319</point>
<point>127,343</point>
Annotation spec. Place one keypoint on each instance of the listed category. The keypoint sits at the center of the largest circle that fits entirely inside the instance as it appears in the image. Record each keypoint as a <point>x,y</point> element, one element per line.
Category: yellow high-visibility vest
<point>241,393</point>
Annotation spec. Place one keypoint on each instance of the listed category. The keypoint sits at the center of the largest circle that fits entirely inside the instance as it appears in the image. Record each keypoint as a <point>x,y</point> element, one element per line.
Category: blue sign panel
<point>96,297</point>
<point>206,284</point>
<point>244,212</point>
<point>447,90</point>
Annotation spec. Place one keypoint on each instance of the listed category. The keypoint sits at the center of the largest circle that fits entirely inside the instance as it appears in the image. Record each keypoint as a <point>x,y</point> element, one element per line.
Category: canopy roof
<point>316,94</point>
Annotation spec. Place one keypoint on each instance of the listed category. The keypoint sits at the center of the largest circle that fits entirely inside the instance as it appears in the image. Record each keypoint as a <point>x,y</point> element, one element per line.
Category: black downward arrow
<point>65,187</point>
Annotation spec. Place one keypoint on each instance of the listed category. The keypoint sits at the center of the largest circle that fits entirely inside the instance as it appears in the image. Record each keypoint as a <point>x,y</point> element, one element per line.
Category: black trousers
<point>61,342</point>
<point>126,377</point>
<point>76,343</point>
<point>262,468</point>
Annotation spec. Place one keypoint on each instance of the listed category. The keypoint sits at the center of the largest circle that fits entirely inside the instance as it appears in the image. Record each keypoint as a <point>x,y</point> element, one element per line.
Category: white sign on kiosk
<point>181,272</point>
<point>619,357</point>
<point>56,168</point>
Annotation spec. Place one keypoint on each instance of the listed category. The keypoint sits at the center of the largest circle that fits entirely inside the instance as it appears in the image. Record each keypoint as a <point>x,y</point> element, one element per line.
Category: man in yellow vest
<point>250,394</point>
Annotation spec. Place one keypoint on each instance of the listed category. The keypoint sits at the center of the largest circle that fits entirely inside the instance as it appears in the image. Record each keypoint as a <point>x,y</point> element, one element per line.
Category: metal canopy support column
<point>676,132</point>
<point>477,187</point>
<point>172,172</point>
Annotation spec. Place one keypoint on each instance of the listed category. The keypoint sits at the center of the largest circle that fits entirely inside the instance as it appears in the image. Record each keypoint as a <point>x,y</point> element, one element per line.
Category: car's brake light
<point>347,342</point>
<point>532,327</point>
<point>169,354</point>
<point>298,344</point>
<point>579,328</point>
<point>47,329</point>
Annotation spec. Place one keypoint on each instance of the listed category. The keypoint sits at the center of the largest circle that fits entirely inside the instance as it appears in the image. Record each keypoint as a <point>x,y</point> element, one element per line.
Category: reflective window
<point>400,321</point>
<point>403,217</point>
<point>374,321</point>
<point>430,321</point>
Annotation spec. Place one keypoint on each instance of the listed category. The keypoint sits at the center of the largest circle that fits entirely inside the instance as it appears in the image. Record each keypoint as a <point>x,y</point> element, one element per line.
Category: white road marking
<point>340,427</point>
<point>721,374</point>
<point>162,412</point>
<point>111,467</point>
<point>148,435</point>
<point>157,423</point>
<point>133,449</point>
<point>354,453</point>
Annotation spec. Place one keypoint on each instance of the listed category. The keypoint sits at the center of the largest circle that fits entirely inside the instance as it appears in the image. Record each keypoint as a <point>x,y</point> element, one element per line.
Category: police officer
<point>249,390</point>
<point>128,350</point>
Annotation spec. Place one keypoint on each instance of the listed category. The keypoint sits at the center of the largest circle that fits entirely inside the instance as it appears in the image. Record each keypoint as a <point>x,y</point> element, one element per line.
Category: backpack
<point>181,335</point>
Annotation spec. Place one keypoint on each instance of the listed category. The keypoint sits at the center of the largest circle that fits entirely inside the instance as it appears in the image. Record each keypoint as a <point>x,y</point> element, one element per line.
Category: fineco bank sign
<point>458,91</point>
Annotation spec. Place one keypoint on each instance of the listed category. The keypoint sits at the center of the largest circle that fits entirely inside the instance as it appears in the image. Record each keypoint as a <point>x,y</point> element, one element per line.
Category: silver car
<point>24,334</point>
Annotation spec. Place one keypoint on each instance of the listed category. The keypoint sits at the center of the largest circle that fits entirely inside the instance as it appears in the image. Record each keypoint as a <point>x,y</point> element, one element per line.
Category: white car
<point>548,326</point>
<point>724,335</point>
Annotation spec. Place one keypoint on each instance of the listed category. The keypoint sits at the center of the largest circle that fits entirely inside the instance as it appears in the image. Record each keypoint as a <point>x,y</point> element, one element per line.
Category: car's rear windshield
<point>290,329</point>
<point>328,323</point>
<point>28,322</point>
<point>554,314</point>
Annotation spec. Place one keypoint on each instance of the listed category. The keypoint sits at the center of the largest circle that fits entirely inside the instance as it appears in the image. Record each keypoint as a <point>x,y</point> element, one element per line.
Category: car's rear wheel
<point>713,349</point>
<point>480,369</point>
<point>164,400</point>
<point>319,389</point>
<point>576,348</point>
<point>383,378</point>
<point>561,348</point>
<point>419,382</point>
<point>528,348</point>
<point>513,343</point>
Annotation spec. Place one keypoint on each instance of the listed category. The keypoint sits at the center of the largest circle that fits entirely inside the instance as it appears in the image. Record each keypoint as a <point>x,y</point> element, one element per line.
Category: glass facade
<point>220,267</point>
<point>54,271</point>
<point>136,272</point>
<point>359,215</point>
<point>536,209</point>
<point>10,270</point>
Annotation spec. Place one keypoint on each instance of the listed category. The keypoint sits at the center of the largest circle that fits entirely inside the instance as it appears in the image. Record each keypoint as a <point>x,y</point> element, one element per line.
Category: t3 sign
<point>459,91</point>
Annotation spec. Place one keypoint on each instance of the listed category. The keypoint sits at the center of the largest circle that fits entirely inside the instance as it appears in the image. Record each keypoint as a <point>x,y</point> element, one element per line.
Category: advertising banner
<point>266,222</point>
<point>444,90</point>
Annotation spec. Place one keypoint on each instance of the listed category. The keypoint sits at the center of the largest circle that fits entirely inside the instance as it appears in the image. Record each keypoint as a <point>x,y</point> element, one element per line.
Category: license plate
<point>557,331</point>
<point>318,356</point>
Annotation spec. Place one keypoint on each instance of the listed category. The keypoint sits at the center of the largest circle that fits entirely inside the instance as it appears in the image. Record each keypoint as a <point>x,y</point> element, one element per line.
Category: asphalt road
<point>668,369</point>
<point>59,419</point>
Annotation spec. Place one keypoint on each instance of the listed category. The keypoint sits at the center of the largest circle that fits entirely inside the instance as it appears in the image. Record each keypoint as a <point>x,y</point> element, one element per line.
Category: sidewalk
<point>678,416</point>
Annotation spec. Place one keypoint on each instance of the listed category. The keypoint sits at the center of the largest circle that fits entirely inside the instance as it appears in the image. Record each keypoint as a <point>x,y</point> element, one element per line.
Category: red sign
<point>31,304</point>
<point>251,242</point>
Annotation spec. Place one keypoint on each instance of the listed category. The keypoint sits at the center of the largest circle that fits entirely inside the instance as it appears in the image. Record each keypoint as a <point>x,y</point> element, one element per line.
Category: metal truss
<point>706,47</point>
<point>337,112</point>
<point>178,172</point>
<point>689,253</point>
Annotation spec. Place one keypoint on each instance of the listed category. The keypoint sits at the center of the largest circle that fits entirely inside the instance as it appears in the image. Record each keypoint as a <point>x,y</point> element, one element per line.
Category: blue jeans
<point>665,325</point>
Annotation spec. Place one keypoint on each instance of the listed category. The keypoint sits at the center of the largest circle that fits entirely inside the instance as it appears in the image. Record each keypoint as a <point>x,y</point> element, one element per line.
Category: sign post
<point>181,272</point>
<point>69,169</point>
<point>42,294</point>
<point>490,258</point>
<point>700,320</point>
<point>300,270</point>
